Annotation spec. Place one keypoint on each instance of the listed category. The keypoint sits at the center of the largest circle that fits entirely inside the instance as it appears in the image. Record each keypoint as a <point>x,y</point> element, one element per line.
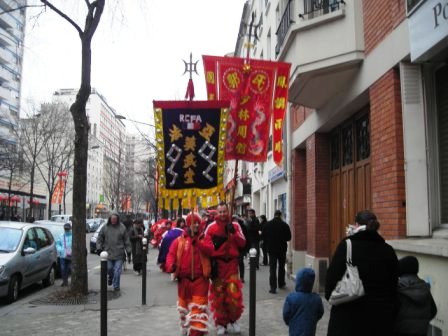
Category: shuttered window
<point>442,116</point>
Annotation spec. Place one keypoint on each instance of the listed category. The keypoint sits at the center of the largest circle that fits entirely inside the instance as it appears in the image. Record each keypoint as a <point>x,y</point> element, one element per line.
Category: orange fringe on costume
<point>226,300</point>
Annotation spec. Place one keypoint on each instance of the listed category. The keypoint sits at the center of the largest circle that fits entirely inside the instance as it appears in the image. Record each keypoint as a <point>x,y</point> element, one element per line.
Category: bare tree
<point>11,164</point>
<point>57,150</point>
<point>114,179</point>
<point>79,283</point>
<point>33,135</point>
<point>147,173</point>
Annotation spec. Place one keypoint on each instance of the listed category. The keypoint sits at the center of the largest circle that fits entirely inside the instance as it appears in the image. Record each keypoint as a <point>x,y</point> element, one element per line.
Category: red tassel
<point>190,90</point>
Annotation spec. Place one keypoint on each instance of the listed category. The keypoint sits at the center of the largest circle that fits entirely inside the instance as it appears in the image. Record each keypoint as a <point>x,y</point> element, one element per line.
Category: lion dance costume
<point>188,260</point>
<point>225,291</point>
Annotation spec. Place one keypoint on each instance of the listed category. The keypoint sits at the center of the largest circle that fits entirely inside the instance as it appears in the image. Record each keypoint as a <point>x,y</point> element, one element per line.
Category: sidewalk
<point>126,316</point>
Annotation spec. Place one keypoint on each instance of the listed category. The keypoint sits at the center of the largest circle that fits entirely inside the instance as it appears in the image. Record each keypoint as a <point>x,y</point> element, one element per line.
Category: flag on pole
<point>257,90</point>
<point>190,140</point>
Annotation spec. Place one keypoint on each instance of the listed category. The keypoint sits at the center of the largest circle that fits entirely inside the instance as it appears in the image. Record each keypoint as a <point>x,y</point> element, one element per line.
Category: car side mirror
<point>29,250</point>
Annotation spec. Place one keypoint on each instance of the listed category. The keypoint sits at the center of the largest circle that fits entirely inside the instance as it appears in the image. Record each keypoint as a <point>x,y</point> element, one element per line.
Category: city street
<point>126,315</point>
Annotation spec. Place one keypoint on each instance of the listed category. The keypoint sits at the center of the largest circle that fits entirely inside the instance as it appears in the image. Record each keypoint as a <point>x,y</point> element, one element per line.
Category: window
<point>315,8</point>
<point>411,4</point>
<point>42,238</point>
<point>30,240</point>
<point>442,122</point>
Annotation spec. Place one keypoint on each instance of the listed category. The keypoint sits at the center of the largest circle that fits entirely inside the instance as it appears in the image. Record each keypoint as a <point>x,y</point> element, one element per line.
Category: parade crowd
<point>206,256</point>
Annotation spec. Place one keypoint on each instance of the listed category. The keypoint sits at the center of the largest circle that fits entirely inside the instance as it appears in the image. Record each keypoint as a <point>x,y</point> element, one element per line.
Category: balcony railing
<point>315,8</point>
<point>283,27</point>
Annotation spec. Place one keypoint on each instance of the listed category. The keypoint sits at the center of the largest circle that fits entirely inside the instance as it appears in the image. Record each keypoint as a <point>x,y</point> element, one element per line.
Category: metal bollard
<point>252,290</point>
<point>103,313</point>
<point>145,251</point>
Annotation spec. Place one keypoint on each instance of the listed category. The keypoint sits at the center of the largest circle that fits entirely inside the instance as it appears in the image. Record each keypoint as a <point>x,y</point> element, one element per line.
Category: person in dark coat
<point>278,234</point>
<point>137,246</point>
<point>167,239</point>
<point>263,221</point>
<point>373,314</point>
<point>244,250</point>
<point>254,233</point>
<point>416,304</point>
<point>303,309</point>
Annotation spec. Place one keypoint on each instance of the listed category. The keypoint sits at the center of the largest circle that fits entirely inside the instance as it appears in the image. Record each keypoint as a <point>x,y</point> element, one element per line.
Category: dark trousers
<point>265,254</point>
<point>66,267</point>
<point>275,258</point>
<point>241,265</point>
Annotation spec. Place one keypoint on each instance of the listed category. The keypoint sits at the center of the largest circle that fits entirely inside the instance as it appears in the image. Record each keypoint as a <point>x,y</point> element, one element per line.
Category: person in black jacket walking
<point>373,314</point>
<point>254,233</point>
<point>417,307</point>
<point>263,221</point>
<point>277,234</point>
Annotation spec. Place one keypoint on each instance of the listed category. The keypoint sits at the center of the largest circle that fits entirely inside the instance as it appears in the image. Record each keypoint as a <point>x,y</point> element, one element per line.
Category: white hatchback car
<point>27,256</point>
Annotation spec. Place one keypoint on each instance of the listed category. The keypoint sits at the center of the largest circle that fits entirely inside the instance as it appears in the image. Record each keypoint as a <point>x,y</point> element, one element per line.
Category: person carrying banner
<point>226,239</point>
<point>188,260</point>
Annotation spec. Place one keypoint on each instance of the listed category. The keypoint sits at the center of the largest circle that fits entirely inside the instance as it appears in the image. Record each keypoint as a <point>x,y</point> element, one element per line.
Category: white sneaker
<point>236,328</point>
<point>230,328</point>
<point>220,330</point>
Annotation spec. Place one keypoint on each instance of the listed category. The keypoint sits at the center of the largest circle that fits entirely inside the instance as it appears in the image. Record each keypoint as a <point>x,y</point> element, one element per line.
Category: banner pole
<point>232,197</point>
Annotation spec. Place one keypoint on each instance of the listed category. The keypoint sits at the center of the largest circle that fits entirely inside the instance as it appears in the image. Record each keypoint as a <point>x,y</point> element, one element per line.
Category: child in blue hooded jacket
<point>302,308</point>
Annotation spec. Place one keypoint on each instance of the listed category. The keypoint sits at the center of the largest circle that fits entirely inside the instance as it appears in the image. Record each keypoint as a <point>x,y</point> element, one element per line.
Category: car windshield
<point>9,239</point>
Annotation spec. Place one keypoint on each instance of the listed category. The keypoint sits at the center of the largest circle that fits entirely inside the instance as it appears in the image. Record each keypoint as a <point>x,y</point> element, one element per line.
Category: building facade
<point>366,127</point>
<point>106,156</point>
<point>12,31</point>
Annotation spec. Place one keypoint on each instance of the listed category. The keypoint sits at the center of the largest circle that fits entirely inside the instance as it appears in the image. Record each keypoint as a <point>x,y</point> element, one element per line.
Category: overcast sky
<point>137,51</point>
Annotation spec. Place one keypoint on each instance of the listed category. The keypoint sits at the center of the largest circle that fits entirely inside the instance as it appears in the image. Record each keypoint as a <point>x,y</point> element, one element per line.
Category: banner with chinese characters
<point>257,90</point>
<point>190,140</point>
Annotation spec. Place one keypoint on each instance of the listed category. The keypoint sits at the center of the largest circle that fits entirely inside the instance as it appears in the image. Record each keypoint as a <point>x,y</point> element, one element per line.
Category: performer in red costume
<point>188,260</point>
<point>226,297</point>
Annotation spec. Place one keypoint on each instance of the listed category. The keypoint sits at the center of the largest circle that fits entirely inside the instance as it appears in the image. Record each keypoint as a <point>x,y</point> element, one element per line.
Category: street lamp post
<point>121,117</point>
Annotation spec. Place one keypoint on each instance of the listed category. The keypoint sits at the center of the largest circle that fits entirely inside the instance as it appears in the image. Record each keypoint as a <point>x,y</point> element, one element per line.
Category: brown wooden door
<point>350,186</point>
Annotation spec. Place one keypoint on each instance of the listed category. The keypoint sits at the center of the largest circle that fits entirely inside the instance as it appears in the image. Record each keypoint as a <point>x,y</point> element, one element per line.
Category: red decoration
<point>190,90</point>
<point>15,199</point>
<point>254,92</point>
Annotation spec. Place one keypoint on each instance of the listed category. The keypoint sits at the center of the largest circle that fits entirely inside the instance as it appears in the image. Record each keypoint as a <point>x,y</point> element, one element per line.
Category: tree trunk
<point>79,284</point>
<point>78,109</point>
<point>9,213</point>
<point>33,167</point>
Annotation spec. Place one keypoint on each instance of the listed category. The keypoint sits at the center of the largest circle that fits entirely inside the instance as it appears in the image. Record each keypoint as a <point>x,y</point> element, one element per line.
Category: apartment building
<point>106,148</point>
<point>12,30</point>
<point>366,127</point>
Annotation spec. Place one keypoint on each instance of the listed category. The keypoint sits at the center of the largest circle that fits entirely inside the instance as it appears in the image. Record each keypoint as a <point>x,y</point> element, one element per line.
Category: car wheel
<point>13,289</point>
<point>49,280</point>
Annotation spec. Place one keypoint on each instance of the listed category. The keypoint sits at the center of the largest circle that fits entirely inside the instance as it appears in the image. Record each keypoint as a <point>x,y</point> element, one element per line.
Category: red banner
<point>256,91</point>
<point>280,103</point>
<point>59,188</point>
<point>58,192</point>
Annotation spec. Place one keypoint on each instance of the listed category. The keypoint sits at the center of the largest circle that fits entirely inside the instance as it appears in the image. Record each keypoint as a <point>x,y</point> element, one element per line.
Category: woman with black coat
<point>373,314</point>
<point>136,236</point>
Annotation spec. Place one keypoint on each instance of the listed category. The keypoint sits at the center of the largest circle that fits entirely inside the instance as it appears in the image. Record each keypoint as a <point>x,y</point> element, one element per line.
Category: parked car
<point>27,256</point>
<point>61,218</point>
<point>56,229</point>
<point>94,238</point>
<point>93,223</point>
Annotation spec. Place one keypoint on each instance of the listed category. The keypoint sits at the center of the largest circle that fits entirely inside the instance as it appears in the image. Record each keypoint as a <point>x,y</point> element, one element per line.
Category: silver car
<point>27,256</point>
